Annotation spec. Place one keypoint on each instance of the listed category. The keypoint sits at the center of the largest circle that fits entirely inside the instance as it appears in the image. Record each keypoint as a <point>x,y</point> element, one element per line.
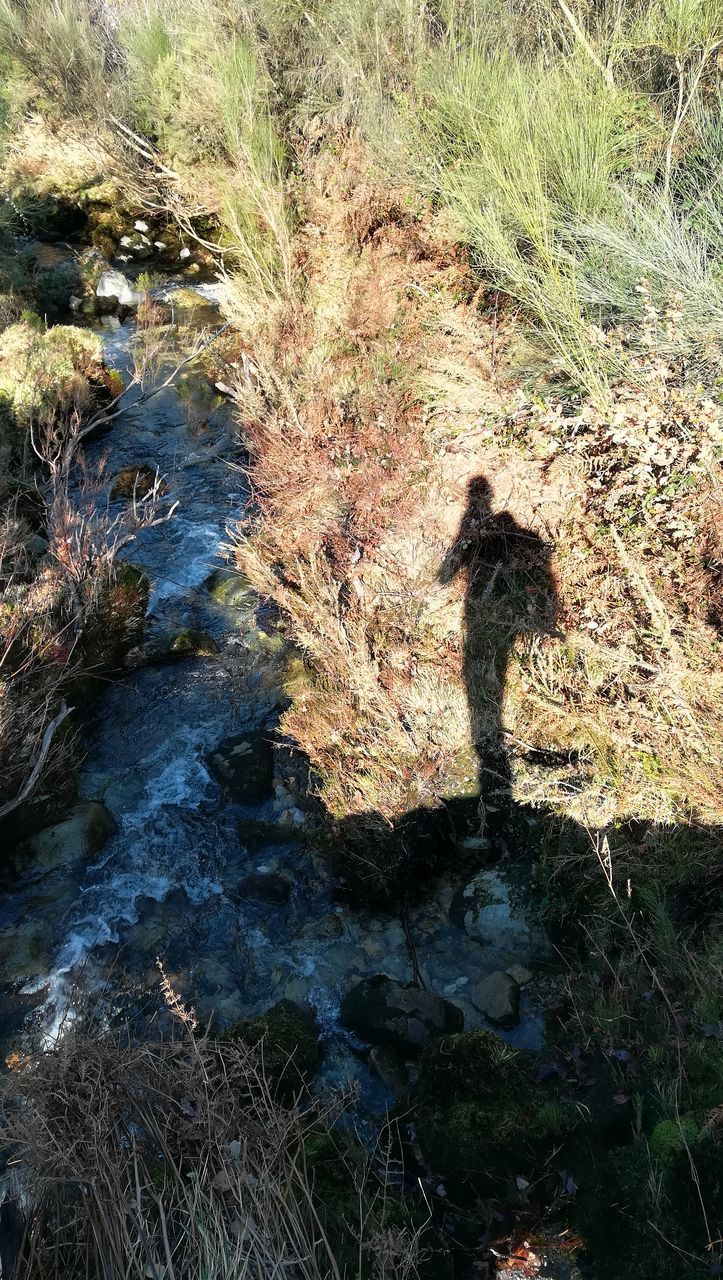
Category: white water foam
<point>190,561</point>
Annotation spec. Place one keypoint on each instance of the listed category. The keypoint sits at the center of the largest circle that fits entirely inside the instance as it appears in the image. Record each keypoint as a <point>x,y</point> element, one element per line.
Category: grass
<point>186,1163</point>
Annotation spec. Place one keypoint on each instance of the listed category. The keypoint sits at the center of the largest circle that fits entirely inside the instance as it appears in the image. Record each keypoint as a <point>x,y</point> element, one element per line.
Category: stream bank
<point>215,873</point>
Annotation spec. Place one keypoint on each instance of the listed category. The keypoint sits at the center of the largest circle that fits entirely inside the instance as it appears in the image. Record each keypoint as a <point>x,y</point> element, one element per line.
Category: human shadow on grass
<point>509,593</point>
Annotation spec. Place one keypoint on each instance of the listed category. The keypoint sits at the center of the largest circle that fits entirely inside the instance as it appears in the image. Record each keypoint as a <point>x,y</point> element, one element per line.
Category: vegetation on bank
<point>472,259</point>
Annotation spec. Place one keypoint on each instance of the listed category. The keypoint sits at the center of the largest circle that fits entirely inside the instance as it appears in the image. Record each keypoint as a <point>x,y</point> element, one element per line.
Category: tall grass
<point>178,1160</point>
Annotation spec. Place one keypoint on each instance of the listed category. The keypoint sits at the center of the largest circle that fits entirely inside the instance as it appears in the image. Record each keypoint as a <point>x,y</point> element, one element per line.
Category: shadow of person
<point>509,593</point>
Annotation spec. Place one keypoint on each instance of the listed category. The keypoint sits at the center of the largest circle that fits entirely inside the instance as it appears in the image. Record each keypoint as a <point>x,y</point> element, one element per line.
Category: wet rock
<point>520,973</point>
<point>244,766</point>
<point>84,832</point>
<point>390,1069</point>
<point>113,285</point>
<point>397,1014</point>
<point>254,834</point>
<point>138,479</point>
<point>498,997</point>
<point>269,887</point>
<point>289,1040</point>
<point>326,929</point>
<point>229,588</point>
<point>486,910</point>
<point>169,646</point>
<point>25,952</point>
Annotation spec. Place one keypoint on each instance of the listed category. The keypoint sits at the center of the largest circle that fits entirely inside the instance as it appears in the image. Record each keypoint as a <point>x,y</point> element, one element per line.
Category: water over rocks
<point>244,765</point>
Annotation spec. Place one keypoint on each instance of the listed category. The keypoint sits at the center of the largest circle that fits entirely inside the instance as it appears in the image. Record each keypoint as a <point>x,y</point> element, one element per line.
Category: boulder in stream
<point>244,766</point>
<point>490,910</point>
<point>498,997</point>
<point>398,1014</point>
<point>114,285</point>
<point>169,646</point>
<point>86,829</point>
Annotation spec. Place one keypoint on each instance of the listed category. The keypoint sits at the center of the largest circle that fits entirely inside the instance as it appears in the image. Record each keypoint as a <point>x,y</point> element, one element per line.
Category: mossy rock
<point>186,300</point>
<point>170,646</point>
<point>244,766</point>
<point>46,371</point>
<point>85,830</point>
<point>289,1040</point>
<point>230,589</point>
<point>479,1116</point>
<point>398,1014</point>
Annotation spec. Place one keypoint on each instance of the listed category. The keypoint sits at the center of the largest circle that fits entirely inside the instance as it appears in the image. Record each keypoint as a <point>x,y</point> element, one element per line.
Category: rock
<point>270,887</point>
<point>84,832</point>
<point>326,929</point>
<point>74,302</point>
<point>388,1066</point>
<point>114,285</point>
<point>229,588</point>
<point>138,479</point>
<point>397,1014</point>
<point>244,766</point>
<point>169,646</point>
<point>110,322</point>
<point>486,910</point>
<point>25,951</point>
<point>184,254</point>
<point>141,226</point>
<point>520,974</point>
<point>253,834</point>
<point>498,997</point>
<point>160,245</point>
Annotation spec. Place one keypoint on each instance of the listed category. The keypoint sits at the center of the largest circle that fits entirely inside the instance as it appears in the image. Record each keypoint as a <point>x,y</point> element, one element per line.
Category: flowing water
<point>166,886</point>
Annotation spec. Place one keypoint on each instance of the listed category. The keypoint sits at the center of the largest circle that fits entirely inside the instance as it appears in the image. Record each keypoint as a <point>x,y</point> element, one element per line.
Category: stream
<point>168,886</point>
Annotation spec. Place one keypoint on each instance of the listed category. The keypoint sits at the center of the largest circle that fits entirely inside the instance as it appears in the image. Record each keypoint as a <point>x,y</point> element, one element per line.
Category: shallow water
<point>165,887</point>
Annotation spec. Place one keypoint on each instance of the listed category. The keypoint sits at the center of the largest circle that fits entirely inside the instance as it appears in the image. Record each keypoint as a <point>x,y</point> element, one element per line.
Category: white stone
<point>74,302</point>
<point>159,245</point>
<point>140,225</point>
<point>126,242</point>
<point>113,284</point>
<point>185,253</point>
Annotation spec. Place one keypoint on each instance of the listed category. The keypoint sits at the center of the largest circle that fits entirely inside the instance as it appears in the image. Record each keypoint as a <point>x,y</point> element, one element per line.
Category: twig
<point>37,768</point>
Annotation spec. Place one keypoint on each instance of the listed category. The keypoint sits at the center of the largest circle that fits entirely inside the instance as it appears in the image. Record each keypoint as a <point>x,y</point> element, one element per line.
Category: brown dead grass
<point>368,408</point>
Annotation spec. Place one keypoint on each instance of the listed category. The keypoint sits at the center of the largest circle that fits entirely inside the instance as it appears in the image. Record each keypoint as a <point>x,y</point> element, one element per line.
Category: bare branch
<point>32,779</point>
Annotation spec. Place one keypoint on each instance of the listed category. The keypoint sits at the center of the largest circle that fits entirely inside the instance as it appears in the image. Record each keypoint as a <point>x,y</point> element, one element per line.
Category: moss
<point>193,643</point>
<point>479,1116</point>
<point>44,372</point>
<point>290,1045</point>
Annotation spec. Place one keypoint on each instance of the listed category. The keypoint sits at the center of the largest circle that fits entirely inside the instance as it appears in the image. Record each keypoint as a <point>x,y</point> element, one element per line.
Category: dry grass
<point>367,414</point>
<point>176,1159</point>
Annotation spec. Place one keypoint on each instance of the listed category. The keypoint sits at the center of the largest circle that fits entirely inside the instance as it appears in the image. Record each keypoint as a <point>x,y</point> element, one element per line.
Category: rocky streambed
<point>190,847</point>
